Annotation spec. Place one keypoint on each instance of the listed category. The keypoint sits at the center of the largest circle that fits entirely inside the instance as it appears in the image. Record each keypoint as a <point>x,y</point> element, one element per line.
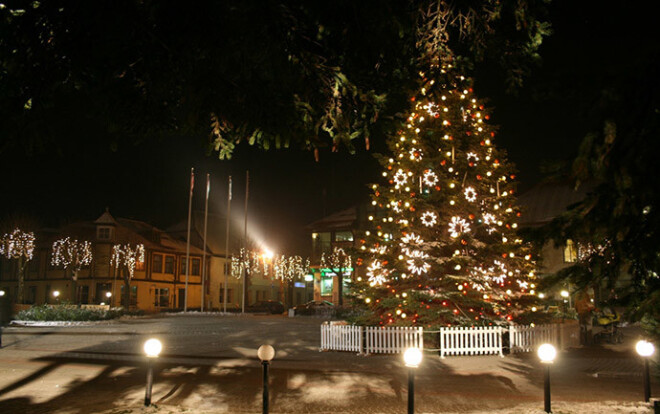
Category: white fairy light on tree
<point>339,262</point>
<point>429,219</point>
<point>73,255</point>
<point>18,245</point>
<point>458,226</point>
<point>125,259</point>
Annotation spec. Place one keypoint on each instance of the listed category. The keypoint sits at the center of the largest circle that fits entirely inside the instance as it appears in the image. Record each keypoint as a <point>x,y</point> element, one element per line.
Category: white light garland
<point>470,194</point>
<point>400,178</point>
<point>17,244</point>
<point>471,156</point>
<point>377,274</point>
<point>430,178</point>
<point>70,253</point>
<point>417,263</point>
<point>128,256</point>
<point>458,226</point>
<point>429,219</point>
<point>416,154</point>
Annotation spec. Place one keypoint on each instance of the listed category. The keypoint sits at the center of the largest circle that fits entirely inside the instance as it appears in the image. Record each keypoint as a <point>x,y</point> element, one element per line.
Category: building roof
<point>344,219</point>
<point>547,200</point>
<point>106,219</point>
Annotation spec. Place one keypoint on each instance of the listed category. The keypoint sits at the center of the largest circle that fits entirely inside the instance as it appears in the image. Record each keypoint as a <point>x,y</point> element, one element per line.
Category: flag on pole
<point>192,180</point>
<point>230,187</point>
<point>208,185</point>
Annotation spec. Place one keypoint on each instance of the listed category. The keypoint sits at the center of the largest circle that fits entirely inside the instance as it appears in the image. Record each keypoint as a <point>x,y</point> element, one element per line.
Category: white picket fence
<point>478,340</point>
<point>341,337</point>
<point>370,340</point>
<point>393,340</point>
<point>528,338</point>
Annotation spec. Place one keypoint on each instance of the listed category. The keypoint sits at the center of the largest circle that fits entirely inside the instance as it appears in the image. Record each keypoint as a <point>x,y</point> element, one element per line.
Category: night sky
<point>288,189</point>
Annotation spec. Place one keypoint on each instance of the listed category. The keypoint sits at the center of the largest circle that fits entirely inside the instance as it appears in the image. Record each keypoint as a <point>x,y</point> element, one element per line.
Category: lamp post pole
<point>412,357</point>
<point>265,384</point>
<point>152,348</point>
<point>150,382</point>
<point>265,353</point>
<point>411,390</point>
<point>546,390</point>
<point>647,381</point>
<point>646,349</point>
<point>547,354</point>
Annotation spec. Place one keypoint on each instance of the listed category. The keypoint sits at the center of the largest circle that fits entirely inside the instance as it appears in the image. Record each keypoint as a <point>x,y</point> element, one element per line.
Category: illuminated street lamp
<point>547,354</point>
<point>152,348</point>
<point>645,349</point>
<point>412,357</point>
<point>2,293</point>
<point>266,353</point>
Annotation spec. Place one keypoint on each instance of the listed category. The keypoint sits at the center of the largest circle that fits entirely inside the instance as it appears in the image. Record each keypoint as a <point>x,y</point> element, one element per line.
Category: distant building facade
<point>158,283</point>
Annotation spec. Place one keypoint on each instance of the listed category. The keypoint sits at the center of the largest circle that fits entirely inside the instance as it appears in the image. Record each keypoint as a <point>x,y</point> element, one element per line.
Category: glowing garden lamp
<point>56,294</point>
<point>412,357</point>
<point>646,349</point>
<point>2,293</point>
<point>266,353</point>
<point>152,348</point>
<point>547,354</point>
<point>564,294</point>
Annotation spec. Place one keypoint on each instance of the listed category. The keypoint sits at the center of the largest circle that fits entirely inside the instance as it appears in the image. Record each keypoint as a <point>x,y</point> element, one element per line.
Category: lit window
<point>157,263</point>
<point>104,233</point>
<point>570,252</point>
<point>195,267</point>
<point>169,265</point>
<point>342,236</point>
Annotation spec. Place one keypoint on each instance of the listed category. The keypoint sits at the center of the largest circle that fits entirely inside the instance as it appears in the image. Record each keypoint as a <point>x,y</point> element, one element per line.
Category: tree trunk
<point>126,297</point>
<point>74,289</point>
<point>20,296</point>
<point>340,288</point>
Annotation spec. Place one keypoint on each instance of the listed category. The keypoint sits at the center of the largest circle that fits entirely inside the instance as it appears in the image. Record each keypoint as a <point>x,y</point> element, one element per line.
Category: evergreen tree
<point>443,247</point>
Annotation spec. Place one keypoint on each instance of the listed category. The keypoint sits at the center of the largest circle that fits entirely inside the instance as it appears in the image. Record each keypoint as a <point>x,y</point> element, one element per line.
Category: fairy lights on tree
<point>72,255</point>
<point>18,245</point>
<point>339,261</point>
<point>443,247</point>
<point>125,258</point>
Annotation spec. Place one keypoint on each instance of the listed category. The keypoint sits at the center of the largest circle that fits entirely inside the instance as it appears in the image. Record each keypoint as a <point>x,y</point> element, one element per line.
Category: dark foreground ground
<point>209,365</point>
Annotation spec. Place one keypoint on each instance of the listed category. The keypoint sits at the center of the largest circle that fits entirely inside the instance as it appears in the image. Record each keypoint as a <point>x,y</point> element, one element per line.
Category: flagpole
<point>206,220</point>
<point>227,261</point>
<point>245,276</point>
<point>192,185</point>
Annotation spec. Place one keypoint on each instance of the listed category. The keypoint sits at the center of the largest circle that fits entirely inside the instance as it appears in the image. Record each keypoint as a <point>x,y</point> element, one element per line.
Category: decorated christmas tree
<point>443,247</point>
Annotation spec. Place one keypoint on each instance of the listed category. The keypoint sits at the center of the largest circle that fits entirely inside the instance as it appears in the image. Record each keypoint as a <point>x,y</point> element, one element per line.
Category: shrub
<point>67,312</point>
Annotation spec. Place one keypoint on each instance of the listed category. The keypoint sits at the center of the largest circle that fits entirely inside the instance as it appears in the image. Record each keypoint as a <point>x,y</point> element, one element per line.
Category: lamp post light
<point>152,348</point>
<point>645,349</point>
<point>412,357</point>
<point>547,354</point>
<point>265,353</point>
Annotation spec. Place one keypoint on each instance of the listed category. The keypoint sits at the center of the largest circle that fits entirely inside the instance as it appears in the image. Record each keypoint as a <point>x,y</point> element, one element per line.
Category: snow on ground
<point>529,408</point>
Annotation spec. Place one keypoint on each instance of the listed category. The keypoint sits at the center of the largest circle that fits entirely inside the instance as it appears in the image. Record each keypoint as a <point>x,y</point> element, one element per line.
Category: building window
<point>182,267</point>
<point>229,295</point>
<point>195,267</point>
<point>343,236</point>
<point>133,294</point>
<point>101,290</point>
<point>83,294</point>
<point>570,252</point>
<point>162,297</point>
<point>169,265</point>
<point>227,268</point>
<point>326,285</point>
<point>104,233</point>
<point>157,263</point>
